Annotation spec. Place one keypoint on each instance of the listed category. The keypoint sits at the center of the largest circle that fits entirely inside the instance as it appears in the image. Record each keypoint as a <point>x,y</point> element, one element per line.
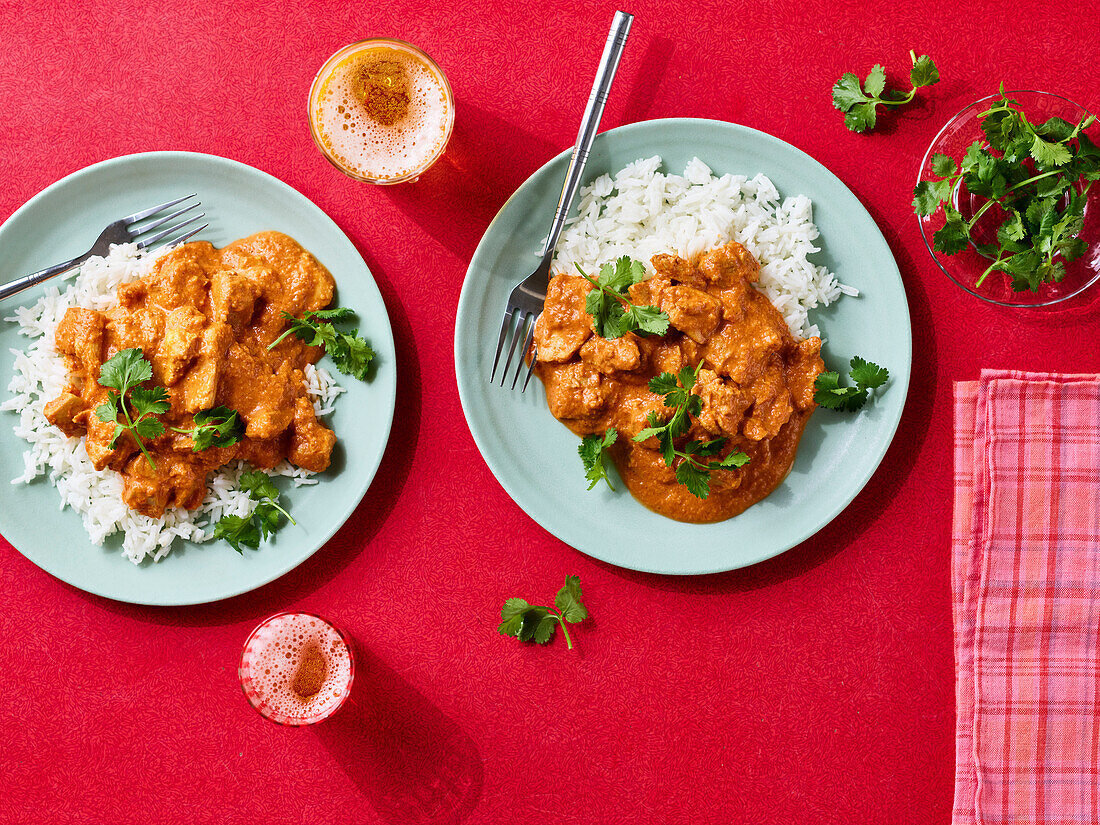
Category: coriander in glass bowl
<point>1008,200</point>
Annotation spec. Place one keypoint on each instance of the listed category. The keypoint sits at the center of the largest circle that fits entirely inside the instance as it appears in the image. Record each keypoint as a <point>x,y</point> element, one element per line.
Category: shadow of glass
<point>486,160</point>
<point>414,764</point>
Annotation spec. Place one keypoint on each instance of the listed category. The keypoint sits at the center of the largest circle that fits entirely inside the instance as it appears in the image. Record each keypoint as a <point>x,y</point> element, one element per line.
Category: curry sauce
<point>204,319</point>
<point>756,381</point>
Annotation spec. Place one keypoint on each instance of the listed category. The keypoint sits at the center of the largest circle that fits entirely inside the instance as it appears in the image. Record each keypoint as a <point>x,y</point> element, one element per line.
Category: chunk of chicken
<point>68,413</point>
<point>694,313</point>
<point>233,297</point>
<point>180,344</point>
<point>578,391</point>
<point>198,389</point>
<point>563,325</point>
<point>610,355</point>
<point>724,404</point>
<point>311,442</point>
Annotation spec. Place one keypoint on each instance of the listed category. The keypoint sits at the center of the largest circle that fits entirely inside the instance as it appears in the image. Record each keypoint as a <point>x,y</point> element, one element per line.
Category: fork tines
<point>165,235</point>
<point>522,330</point>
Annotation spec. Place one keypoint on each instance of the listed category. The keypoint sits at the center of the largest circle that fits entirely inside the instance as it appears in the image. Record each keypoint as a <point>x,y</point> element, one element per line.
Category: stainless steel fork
<point>124,230</point>
<point>525,303</point>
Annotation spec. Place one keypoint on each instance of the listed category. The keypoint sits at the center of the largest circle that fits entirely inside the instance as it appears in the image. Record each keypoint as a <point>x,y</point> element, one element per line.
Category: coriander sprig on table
<point>859,103</point>
<point>613,313</point>
<point>1037,175</point>
<point>535,623</point>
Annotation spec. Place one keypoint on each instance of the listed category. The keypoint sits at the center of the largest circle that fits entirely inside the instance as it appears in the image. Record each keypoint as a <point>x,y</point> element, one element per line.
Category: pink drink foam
<point>271,661</point>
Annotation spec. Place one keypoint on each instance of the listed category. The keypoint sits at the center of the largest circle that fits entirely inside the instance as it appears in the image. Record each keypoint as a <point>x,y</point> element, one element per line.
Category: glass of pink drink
<point>297,668</point>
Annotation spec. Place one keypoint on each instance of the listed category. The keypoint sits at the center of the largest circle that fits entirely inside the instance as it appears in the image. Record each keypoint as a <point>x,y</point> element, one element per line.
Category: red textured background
<point>816,687</point>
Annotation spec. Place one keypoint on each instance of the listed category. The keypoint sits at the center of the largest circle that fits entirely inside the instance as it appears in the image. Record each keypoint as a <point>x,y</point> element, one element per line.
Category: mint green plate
<point>535,458</point>
<point>62,221</point>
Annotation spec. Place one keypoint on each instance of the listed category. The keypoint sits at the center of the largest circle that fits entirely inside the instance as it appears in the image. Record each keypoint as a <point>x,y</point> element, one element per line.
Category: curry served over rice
<point>755,379</point>
<point>204,320</point>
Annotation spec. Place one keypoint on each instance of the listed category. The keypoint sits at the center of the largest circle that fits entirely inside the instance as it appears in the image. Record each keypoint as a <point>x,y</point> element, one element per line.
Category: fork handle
<point>609,64</point>
<point>35,278</point>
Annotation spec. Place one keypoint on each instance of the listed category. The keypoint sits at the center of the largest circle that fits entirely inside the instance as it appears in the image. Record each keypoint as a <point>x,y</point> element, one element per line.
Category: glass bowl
<point>966,267</point>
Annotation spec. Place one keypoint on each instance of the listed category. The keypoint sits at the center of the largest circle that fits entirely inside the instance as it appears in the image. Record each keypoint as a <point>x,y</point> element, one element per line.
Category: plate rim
<point>390,387</point>
<point>465,309</point>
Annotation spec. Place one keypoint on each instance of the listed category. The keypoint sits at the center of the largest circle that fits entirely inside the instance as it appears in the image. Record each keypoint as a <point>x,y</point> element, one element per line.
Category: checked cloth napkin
<point>1026,599</point>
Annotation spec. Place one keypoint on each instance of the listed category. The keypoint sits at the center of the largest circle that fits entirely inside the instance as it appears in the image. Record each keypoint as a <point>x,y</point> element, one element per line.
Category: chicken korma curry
<point>755,381</point>
<point>204,320</point>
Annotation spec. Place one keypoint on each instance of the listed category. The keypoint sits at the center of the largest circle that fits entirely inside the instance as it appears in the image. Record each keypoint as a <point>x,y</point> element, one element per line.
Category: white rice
<point>41,375</point>
<point>642,212</point>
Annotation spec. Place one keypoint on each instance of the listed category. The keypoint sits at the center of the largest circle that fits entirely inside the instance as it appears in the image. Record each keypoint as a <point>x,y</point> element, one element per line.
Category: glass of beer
<point>381,111</point>
<point>297,668</point>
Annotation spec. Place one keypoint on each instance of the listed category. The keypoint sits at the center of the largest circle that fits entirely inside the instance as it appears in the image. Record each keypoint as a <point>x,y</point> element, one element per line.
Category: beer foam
<point>366,148</point>
<point>273,656</point>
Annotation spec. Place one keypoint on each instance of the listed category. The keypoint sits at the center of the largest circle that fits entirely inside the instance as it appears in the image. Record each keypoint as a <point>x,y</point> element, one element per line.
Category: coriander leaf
<point>334,314</point>
<point>953,236</point>
<point>738,459</point>
<point>352,355</point>
<point>544,630</point>
<point>568,601</point>
<point>1047,154</point>
<point>148,427</point>
<point>860,118</point>
<point>125,369</point>
<point>847,92</point>
<point>709,448</point>
<point>929,194</point>
<point>258,485</point>
<point>875,83</point>
<point>593,452</point>
<point>866,374</point>
<point>513,607</point>
<point>150,401</point>
<point>694,477</point>
<point>237,531</point>
<point>1057,130</point>
<point>107,411</point>
<point>924,72</point>
<point>264,520</point>
<point>943,165</point>
<point>647,319</point>
<point>663,383</point>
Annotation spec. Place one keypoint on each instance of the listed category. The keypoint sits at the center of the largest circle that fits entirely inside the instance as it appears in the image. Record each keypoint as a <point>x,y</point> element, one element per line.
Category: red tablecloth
<point>816,687</point>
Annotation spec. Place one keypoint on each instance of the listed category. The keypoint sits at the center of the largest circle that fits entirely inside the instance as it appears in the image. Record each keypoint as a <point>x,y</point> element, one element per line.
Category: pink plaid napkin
<point>1026,584</point>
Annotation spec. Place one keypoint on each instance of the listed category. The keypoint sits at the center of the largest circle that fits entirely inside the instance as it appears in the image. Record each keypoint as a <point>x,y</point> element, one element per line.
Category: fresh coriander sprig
<point>351,354</point>
<point>865,375</point>
<point>593,452</point>
<point>1033,172</point>
<point>217,427</point>
<point>613,313</point>
<point>123,374</point>
<point>264,521</point>
<point>690,470</point>
<point>859,103</point>
<point>534,623</point>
